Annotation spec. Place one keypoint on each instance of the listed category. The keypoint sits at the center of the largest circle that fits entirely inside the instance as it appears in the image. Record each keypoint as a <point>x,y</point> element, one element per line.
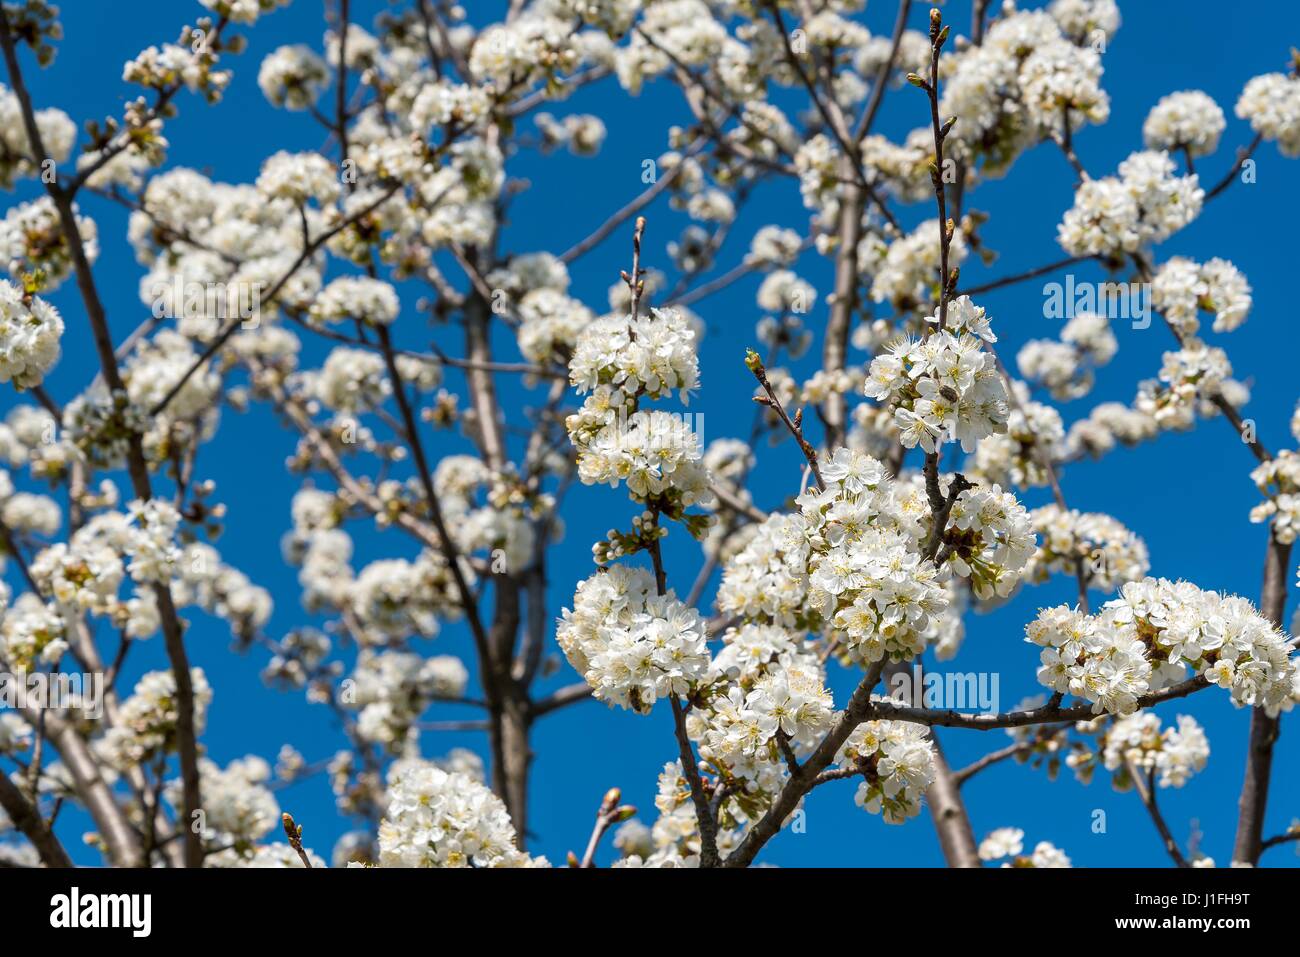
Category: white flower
<point>897,763</point>
<point>631,645</point>
<point>31,238</point>
<point>358,297</point>
<point>293,77</point>
<point>299,177</point>
<point>440,819</point>
<point>783,291</point>
<point>1059,77</point>
<point>1272,105</point>
<point>654,354</point>
<point>1004,842</point>
<point>444,102</point>
<point>30,330</point>
<point>775,246</point>
<point>908,275</point>
<point>944,387</point>
<point>1145,640</point>
<point>146,724</point>
<point>32,634</point>
<point>237,805</point>
<point>1146,203</point>
<point>1106,552</point>
<point>550,324</point>
<point>394,599</point>
<point>1079,19</point>
<point>243,11</point>
<point>57,131</point>
<point>352,380</point>
<point>1137,744</point>
<point>1047,855</point>
<point>1188,120</point>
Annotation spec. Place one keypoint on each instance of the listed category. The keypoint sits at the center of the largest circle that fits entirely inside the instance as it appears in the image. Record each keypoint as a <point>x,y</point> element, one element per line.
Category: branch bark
<point>1264,730</point>
<point>948,810</point>
<point>28,820</point>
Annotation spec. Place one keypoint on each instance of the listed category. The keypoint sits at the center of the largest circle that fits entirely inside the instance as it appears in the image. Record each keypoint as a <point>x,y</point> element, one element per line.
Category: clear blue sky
<point>1188,495</point>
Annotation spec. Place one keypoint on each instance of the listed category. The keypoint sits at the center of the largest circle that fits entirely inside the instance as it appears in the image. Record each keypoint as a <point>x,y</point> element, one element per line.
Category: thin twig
<point>1145,785</point>
<point>294,833</point>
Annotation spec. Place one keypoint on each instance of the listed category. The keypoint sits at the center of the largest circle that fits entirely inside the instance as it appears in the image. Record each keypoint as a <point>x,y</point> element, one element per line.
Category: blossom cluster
<point>905,272</point>
<point>1190,378</point>
<point>943,387</point>
<point>1092,545</point>
<point>147,720</point>
<point>1271,103</point>
<point>1146,639</point>
<point>356,297</point>
<point>1065,367</point>
<point>1182,288</point>
<point>439,819</point>
<point>1009,842</point>
<point>632,646</point>
<point>1032,75</point>
<point>619,361</point>
<point>674,839</point>
<point>1032,442</point>
<point>393,599</point>
<point>85,574</point>
<point>897,762</point>
<point>17,158</point>
<point>849,563</point>
<point>1278,480</point>
<point>391,689</point>
<point>1146,203</point>
<point>32,240</point>
<point>239,808</point>
<point>1187,120</point>
<point>30,330</point>
<point>1137,743</point>
<point>765,692</point>
<point>293,77</point>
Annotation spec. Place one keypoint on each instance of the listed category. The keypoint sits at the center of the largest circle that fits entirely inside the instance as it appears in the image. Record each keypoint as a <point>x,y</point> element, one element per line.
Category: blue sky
<point>1188,495</point>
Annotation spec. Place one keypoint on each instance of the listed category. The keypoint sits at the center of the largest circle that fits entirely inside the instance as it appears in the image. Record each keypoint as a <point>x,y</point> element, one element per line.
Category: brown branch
<point>340,90</point>
<point>882,75</point>
<point>703,812</point>
<point>1047,714</point>
<point>939,523</point>
<point>755,365</point>
<point>947,281</point>
<point>718,283</point>
<point>990,759</point>
<point>1146,789</point>
<point>1021,277</point>
<point>1243,154</point>
<point>948,811</point>
<point>570,694</point>
<point>449,549</point>
<point>1264,730</point>
<point>1292,835</point>
<point>1066,142</point>
<point>28,819</point>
